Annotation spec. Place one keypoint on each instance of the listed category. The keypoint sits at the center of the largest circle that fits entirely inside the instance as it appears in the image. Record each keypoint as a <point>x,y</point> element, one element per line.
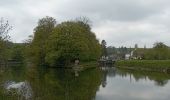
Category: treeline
<point>12,52</point>
<point>160,51</point>
<point>61,43</point>
<point>118,53</point>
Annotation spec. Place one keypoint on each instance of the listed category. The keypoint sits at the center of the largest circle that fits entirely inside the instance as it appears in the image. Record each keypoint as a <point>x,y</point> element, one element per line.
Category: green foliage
<point>160,45</point>
<point>159,52</point>
<point>41,34</point>
<point>53,84</point>
<point>17,52</point>
<point>111,50</point>
<point>4,37</point>
<point>122,51</point>
<point>118,53</point>
<point>3,52</point>
<point>62,43</point>
<point>8,50</point>
<point>149,64</point>
<point>72,40</point>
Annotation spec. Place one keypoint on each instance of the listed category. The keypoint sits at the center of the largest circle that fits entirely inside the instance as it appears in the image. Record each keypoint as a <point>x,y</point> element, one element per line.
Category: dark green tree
<point>17,52</point>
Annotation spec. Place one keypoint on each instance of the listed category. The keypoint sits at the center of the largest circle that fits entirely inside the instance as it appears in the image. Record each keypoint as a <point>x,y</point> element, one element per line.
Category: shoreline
<point>145,65</point>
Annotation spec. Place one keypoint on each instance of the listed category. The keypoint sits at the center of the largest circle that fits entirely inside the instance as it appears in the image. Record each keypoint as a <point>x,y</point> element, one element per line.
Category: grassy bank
<point>88,65</point>
<point>148,65</point>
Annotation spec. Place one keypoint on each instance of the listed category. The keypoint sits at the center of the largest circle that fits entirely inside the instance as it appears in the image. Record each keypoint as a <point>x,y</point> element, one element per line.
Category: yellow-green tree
<point>63,43</point>
<point>41,34</point>
<point>72,40</point>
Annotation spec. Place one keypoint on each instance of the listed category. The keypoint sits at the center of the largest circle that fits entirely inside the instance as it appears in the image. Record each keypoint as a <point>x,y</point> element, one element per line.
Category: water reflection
<point>119,84</point>
<point>104,83</point>
<point>53,84</point>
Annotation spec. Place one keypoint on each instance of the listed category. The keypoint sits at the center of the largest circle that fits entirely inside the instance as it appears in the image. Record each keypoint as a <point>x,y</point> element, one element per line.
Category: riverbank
<point>145,65</point>
<point>88,65</point>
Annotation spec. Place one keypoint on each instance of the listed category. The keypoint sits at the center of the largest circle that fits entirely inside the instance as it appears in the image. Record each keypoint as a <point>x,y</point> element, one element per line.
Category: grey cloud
<point>119,10</point>
<point>119,22</point>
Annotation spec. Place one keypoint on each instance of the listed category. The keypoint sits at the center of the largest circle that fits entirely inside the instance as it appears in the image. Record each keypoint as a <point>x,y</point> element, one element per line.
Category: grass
<point>150,65</point>
<point>88,65</point>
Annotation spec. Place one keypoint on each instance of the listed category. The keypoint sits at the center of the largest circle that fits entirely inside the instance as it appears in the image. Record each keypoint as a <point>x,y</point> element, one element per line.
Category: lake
<point>104,83</point>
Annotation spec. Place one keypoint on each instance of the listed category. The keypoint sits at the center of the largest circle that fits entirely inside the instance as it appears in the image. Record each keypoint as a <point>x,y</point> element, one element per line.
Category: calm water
<point>32,83</point>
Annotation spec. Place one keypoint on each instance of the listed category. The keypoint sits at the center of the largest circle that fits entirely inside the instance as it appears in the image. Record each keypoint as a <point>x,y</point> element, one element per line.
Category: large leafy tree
<point>41,34</point>
<point>63,43</point>
<point>72,40</point>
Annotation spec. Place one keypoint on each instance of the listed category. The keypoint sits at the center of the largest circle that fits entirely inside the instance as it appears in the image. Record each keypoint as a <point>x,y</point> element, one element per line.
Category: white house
<point>127,56</point>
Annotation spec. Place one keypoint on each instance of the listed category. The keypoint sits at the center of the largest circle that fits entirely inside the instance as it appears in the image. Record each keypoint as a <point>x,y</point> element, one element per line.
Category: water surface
<point>133,85</point>
<point>94,84</point>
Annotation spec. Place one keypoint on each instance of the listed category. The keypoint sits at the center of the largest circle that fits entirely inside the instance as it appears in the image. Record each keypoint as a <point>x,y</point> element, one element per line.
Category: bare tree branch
<point>4,29</point>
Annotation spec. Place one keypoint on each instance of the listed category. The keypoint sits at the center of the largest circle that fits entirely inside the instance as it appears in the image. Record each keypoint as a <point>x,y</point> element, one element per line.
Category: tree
<point>160,51</point>
<point>29,40</point>
<point>84,21</point>
<point>72,40</point>
<point>17,52</point>
<point>28,47</point>
<point>54,44</point>
<point>144,46</point>
<point>104,50</point>
<point>41,34</point>
<point>160,45</point>
<point>136,46</point>
<point>111,50</point>
<point>4,30</point>
<point>4,38</point>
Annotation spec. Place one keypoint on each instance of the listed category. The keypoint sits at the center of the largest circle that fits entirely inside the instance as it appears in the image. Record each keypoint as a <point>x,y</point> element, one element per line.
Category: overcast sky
<point>119,22</point>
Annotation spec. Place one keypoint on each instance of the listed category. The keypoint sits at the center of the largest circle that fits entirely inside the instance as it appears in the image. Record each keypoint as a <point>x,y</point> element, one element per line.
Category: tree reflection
<point>107,71</point>
<point>161,82</point>
<point>160,79</point>
<point>61,84</point>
